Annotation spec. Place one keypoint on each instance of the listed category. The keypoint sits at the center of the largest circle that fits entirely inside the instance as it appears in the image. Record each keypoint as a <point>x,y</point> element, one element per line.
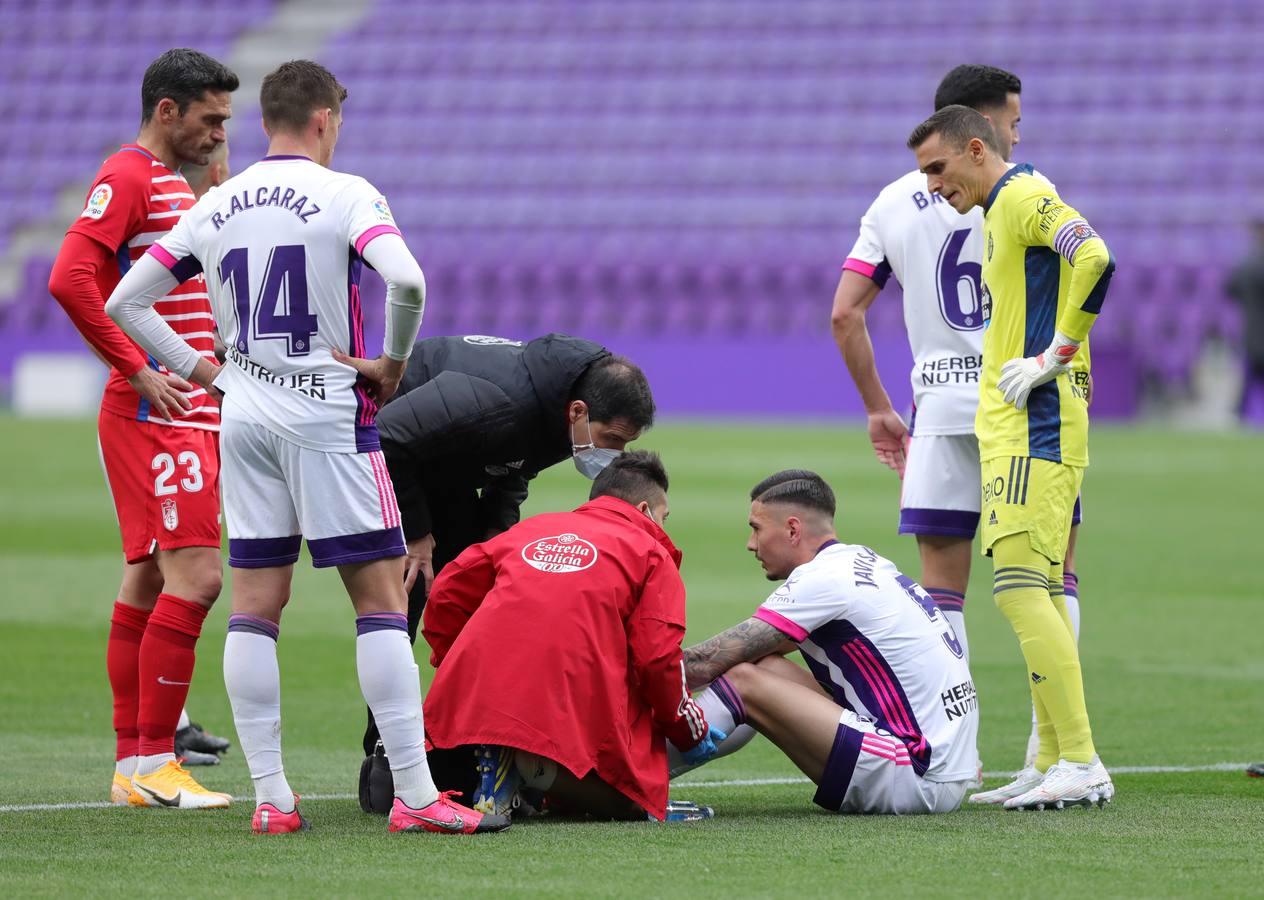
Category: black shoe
<point>377,785</point>
<point>1256,770</point>
<point>193,758</point>
<point>192,737</point>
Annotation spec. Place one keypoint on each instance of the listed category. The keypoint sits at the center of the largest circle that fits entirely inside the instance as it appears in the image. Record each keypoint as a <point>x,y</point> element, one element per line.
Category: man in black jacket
<point>474,420</point>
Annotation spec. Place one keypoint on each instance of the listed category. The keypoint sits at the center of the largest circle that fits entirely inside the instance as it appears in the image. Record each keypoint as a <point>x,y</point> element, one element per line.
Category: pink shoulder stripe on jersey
<point>160,254</point>
<point>375,231</point>
<point>859,265</point>
<point>792,630</point>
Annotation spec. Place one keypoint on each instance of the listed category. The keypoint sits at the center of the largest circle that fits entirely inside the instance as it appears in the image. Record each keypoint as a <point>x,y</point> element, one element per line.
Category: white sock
<point>148,765</point>
<point>253,681</point>
<point>184,719</point>
<point>1073,613</point>
<point>126,766</point>
<point>536,771</point>
<point>719,715</point>
<point>391,684</point>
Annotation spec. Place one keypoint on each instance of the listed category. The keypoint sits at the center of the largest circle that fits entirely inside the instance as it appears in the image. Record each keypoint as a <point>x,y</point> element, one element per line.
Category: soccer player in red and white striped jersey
<point>158,435</point>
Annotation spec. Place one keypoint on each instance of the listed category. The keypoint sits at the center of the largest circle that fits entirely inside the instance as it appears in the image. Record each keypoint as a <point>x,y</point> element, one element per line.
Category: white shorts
<point>941,486</point>
<point>869,771</point>
<point>276,493</point>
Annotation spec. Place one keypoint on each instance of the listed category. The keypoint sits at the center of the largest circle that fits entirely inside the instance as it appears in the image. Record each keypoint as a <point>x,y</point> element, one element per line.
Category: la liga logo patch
<point>98,200</point>
<point>383,211</point>
<point>560,554</point>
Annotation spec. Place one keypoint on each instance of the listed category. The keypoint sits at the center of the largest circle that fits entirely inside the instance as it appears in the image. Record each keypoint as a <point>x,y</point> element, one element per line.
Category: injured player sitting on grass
<point>884,718</point>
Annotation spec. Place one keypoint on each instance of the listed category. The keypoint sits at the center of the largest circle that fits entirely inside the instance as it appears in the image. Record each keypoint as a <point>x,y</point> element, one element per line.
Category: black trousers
<point>457,525</point>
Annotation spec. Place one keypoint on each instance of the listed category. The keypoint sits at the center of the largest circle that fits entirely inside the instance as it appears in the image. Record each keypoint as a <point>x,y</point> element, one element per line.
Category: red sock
<point>166,668</point>
<point>122,662</point>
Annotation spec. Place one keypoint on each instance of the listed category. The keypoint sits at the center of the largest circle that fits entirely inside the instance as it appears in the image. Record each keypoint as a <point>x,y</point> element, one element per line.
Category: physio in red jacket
<point>557,647</point>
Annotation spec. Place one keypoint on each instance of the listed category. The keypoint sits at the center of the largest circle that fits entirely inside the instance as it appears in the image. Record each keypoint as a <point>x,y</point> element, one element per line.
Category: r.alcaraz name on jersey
<point>281,245</point>
<point>881,646</point>
<point>1045,270</point>
<point>134,201</point>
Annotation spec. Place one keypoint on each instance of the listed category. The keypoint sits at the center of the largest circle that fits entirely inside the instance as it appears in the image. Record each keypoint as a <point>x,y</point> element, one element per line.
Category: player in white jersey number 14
<point>282,245</point>
<point>885,718</point>
<point>935,253</point>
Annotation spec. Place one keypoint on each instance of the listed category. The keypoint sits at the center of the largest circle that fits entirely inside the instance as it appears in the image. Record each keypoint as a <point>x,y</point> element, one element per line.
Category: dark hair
<point>976,86</point>
<point>615,388</point>
<point>633,475</point>
<point>183,75</point>
<point>958,125</point>
<point>294,90</point>
<point>798,487</point>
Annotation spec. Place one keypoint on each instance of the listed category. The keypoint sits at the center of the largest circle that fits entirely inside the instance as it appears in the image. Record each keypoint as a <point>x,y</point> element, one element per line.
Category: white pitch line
<point>1114,770</point>
<point>736,782</point>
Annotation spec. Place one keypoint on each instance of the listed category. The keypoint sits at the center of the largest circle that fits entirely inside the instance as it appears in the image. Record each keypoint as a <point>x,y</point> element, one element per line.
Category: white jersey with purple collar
<point>876,641</point>
<point>280,244</point>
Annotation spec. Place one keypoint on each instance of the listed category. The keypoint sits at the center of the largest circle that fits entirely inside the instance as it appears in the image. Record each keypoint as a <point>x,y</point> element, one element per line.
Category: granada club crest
<point>560,553</point>
<point>170,518</point>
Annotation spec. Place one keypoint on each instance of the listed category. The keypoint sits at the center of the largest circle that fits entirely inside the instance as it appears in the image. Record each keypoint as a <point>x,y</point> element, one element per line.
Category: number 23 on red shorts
<point>164,481</point>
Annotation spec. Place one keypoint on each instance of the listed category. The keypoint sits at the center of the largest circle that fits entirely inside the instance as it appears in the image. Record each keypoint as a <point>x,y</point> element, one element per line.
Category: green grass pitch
<point>1172,657</point>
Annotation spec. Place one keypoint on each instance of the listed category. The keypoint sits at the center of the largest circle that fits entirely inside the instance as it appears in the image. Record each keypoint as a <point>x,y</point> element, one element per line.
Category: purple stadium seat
<point>630,165</point>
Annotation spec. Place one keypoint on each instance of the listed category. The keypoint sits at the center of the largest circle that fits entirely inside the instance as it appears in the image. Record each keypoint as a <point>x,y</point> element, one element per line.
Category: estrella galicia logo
<point>560,553</point>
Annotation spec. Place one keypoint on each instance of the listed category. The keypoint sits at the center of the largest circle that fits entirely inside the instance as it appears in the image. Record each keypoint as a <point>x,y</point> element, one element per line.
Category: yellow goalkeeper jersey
<point>1044,270</point>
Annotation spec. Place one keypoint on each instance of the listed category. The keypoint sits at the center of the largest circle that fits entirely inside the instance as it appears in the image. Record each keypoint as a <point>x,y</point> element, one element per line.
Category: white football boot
<point>1023,782</point>
<point>1068,784</point>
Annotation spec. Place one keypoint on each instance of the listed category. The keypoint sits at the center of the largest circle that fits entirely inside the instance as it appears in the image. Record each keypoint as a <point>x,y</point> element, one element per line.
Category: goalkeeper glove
<point>1020,376</point>
<point>705,748</point>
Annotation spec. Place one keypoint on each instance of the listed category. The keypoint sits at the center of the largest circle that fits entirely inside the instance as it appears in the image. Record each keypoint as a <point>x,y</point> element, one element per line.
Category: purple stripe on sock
<point>381,622</point>
<point>1071,584</point>
<point>253,625</point>
<point>948,601</point>
<point>731,699</point>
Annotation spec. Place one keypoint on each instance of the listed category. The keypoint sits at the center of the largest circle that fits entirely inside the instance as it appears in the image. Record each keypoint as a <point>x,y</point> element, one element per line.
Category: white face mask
<point>589,458</point>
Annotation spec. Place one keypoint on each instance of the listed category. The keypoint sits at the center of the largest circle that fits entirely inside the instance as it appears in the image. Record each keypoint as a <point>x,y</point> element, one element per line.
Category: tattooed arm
<point>745,642</point>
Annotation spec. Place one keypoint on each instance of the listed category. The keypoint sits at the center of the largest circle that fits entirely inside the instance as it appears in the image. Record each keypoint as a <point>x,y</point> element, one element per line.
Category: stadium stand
<point>640,167</point>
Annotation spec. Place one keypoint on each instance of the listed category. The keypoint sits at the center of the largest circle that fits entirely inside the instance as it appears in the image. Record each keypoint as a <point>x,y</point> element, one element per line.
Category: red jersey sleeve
<point>456,594</point>
<point>74,284</point>
<point>115,211</point>
<point>117,206</point>
<point>655,631</point>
